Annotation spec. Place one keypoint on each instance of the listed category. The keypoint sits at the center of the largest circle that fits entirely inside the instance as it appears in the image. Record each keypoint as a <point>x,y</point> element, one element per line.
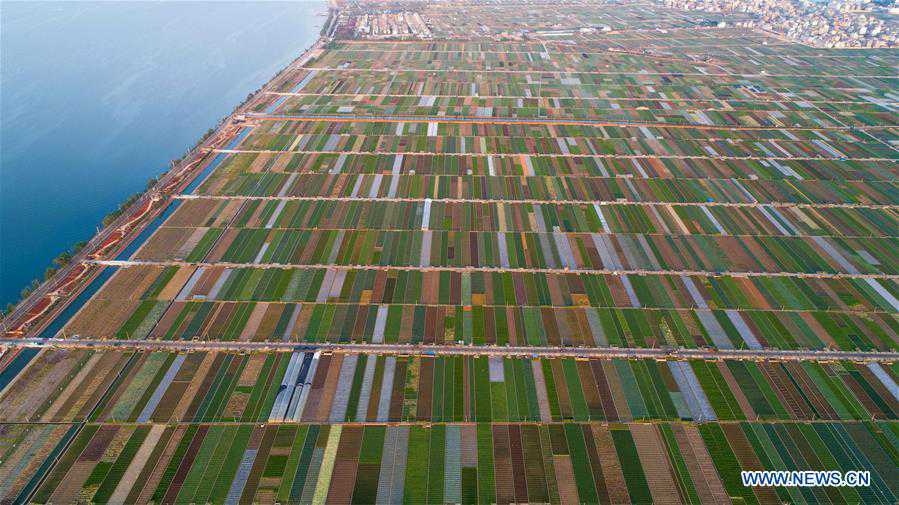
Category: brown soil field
<point>191,213</point>
<point>611,468</point>
<point>164,243</point>
<point>651,450</point>
<point>33,445</point>
<point>166,452</point>
<point>195,213</point>
<point>171,290</point>
<point>51,371</point>
<point>129,283</point>
<point>206,282</point>
<point>100,319</point>
<point>70,485</point>
<point>223,244</point>
<point>260,163</point>
<point>266,329</point>
<point>249,330</point>
<point>252,370</point>
<point>89,388</point>
<point>188,245</point>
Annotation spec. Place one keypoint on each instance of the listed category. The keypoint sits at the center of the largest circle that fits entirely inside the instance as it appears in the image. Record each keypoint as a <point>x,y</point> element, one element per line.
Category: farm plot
<point>477,216</point>
<point>464,463</point>
<point>541,326</point>
<point>322,387</point>
<point>61,385</point>
<point>523,134</point>
<point>422,134</point>
<point>552,190</point>
<point>26,452</point>
<point>698,113</point>
<point>521,308</point>
<point>550,249</point>
<point>510,288</point>
<point>447,23</point>
<point>266,167</point>
<point>466,83</point>
<point>566,57</point>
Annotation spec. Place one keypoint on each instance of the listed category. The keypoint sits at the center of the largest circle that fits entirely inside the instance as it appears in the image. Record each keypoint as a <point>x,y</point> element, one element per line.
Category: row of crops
<point>425,137</point>
<point>551,189</point>
<point>729,46</point>
<point>553,250</point>
<point>646,167</point>
<point>480,325</point>
<point>470,60</point>
<point>560,63</point>
<point>517,308</point>
<point>453,463</point>
<point>592,110</point>
<point>503,106</point>
<point>729,43</point>
<point>511,288</point>
<point>617,87</point>
<point>323,387</point>
<point>560,129</point>
<point>192,318</point>
<point>561,107</point>
<point>555,63</point>
<point>455,96</point>
<point>442,215</point>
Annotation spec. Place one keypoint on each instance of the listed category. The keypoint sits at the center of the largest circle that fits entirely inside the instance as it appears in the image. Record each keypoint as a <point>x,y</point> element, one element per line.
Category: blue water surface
<point>97,97</point>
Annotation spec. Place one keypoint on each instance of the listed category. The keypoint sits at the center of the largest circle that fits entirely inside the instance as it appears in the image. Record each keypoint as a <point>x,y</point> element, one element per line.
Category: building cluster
<point>835,23</point>
<point>390,25</point>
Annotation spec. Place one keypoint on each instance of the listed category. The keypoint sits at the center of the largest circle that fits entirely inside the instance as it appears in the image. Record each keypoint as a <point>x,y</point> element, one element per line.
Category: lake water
<point>97,97</point>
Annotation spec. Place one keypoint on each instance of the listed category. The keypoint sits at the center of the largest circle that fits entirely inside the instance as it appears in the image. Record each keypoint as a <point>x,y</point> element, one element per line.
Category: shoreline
<point>47,299</point>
